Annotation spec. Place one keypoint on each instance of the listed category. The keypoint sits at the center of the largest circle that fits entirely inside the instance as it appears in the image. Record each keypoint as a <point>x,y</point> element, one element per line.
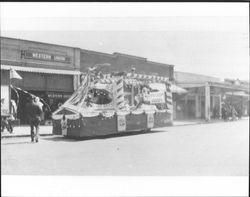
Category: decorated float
<point>107,104</point>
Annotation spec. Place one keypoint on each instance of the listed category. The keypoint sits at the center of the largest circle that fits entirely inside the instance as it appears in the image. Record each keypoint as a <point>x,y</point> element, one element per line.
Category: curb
<point>209,122</point>
<point>50,134</point>
<point>25,135</point>
<point>182,125</point>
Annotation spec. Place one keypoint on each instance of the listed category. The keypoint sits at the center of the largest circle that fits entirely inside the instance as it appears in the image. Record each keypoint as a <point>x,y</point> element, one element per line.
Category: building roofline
<point>142,58</point>
<point>97,52</point>
<point>130,56</point>
<point>115,54</point>
<point>39,42</point>
<point>162,64</point>
<point>197,74</point>
<point>215,84</point>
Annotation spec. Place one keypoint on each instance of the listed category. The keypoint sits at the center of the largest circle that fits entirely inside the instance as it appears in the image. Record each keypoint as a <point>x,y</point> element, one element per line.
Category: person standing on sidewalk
<point>34,112</point>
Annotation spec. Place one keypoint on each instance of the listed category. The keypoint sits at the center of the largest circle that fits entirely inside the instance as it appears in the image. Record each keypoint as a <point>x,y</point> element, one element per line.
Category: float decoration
<point>121,101</point>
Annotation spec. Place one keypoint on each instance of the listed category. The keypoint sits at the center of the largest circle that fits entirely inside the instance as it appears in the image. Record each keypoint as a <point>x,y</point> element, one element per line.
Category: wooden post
<point>10,93</point>
<point>207,102</point>
<point>197,106</point>
<point>219,96</point>
<point>186,107</point>
<point>174,111</point>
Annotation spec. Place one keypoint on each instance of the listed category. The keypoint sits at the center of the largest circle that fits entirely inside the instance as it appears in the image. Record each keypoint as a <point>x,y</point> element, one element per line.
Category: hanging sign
<point>121,123</point>
<point>64,126</point>
<point>150,120</point>
<point>45,56</point>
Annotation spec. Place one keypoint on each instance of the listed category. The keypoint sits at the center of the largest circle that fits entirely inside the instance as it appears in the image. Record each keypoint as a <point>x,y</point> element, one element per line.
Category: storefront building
<point>205,96</point>
<point>53,72</point>
<point>49,71</point>
<point>120,62</point>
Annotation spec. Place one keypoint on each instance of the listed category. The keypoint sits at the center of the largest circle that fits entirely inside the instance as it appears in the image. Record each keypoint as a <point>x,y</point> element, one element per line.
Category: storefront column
<point>76,81</point>
<point>197,106</point>
<point>207,102</point>
<point>174,111</point>
<point>219,96</point>
<point>186,107</point>
<point>242,107</point>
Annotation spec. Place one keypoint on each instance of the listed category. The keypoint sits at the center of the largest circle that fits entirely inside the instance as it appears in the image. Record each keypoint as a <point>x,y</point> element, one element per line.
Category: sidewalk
<point>24,130</point>
<point>201,121</point>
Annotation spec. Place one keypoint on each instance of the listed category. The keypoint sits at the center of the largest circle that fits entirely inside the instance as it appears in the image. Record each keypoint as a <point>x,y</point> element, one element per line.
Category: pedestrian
<point>13,107</point>
<point>223,112</point>
<point>59,105</point>
<point>5,118</point>
<point>234,114</point>
<point>6,123</point>
<point>64,125</point>
<point>34,113</point>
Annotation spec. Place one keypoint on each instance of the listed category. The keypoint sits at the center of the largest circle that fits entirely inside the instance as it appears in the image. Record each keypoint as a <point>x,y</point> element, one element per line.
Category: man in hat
<point>34,112</point>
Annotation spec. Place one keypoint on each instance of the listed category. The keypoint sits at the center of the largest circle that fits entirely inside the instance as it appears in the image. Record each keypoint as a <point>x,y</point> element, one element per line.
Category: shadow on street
<point>119,135</point>
<point>12,143</point>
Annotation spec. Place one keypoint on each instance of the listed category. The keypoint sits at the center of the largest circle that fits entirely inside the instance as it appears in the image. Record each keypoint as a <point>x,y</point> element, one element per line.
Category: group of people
<point>7,118</point>
<point>34,111</point>
<point>228,112</point>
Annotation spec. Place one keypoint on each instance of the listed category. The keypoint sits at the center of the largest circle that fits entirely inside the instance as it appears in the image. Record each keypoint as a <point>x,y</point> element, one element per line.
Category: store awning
<point>40,70</point>
<point>240,93</point>
<point>178,90</point>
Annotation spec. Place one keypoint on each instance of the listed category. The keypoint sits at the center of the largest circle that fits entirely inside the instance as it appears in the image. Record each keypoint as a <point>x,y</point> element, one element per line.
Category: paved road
<point>215,149</point>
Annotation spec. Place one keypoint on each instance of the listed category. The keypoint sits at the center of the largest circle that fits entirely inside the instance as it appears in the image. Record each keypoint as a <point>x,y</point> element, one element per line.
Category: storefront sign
<point>155,97</point>
<point>150,120</point>
<point>121,123</point>
<point>58,95</point>
<point>45,56</point>
<point>5,99</point>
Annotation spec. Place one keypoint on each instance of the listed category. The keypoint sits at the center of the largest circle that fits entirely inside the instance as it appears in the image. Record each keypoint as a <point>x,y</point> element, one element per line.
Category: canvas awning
<point>178,90</point>
<point>40,70</point>
<point>240,93</point>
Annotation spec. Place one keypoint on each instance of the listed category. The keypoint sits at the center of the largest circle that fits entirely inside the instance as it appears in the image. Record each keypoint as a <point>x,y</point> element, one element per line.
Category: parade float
<point>113,103</point>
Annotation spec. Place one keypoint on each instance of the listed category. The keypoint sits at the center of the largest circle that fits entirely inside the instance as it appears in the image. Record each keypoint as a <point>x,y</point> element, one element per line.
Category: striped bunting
<point>119,93</point>
<point>169,100</point>
<point>107,78</point>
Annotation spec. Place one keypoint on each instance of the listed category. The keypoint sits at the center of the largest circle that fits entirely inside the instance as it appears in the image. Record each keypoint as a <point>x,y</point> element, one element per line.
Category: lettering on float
<point>45,56</point>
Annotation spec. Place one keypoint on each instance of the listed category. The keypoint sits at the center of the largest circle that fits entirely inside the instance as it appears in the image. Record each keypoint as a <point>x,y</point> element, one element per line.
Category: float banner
<point>155,97</point>
<point>150,121</point>
<point>121,123</point>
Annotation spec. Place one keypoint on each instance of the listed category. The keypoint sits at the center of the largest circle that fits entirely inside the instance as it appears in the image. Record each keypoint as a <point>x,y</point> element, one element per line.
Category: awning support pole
<point>207,102</point>
<point>219,105</point>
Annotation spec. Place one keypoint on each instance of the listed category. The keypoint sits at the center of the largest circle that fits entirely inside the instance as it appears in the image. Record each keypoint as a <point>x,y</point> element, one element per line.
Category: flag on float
<point>14,74</point>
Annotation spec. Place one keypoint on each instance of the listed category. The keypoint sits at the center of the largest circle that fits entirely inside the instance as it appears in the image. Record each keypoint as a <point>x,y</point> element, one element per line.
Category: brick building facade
<point>53,72</point>
<point>124,62</point>
<point>48,71</point>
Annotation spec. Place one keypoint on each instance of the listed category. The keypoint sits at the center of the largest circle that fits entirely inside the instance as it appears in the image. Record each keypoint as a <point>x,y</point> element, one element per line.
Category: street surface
<point>215,149</point>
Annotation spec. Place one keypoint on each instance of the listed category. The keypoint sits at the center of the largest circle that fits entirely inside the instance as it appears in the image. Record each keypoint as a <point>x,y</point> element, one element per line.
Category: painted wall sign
<point>45,56</point>
<point>150,121</point>
<point>5,99</point>
<point>121,123</point>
